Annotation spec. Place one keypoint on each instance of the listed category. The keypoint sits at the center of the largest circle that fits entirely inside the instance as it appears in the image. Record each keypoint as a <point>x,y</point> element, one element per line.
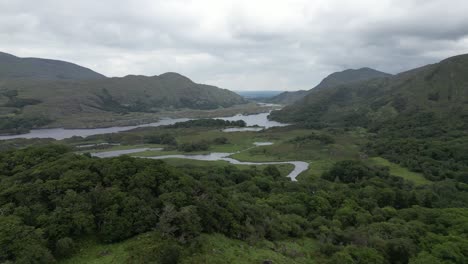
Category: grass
<point>93,252</point>
<point>397,170</point>
<point>346,146</point>
<point>220,249</point>
<point>318,167</point>
<point>214,248</point>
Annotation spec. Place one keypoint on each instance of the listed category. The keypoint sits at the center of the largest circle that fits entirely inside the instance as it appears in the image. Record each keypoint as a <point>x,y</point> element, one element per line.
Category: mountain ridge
<point>13,67</point>
<point>51,96</point>
<point>437,87</point>
<point>333,79</point>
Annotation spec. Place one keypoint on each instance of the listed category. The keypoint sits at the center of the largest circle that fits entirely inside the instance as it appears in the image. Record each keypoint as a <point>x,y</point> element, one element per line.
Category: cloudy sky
<point>238,44</point>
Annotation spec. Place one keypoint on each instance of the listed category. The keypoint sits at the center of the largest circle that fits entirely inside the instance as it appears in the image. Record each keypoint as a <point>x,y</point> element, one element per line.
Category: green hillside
<point>418,118</point>
<point>120,95</point>
<point>60,91</point>
<point>334,79</point>
<point>350,75</point>
<point>288,97</point>
<point>12,67</point>
<point>439,88</point>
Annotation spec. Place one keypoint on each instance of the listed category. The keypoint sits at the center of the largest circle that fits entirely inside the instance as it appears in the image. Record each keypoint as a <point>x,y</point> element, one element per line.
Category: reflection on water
<point>260,120</point>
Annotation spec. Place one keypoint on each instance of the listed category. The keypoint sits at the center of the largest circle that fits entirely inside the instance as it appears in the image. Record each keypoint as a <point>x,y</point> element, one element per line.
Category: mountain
<point>258,95</point>
<point>288,97</point>
<point>348,76</point>
<point>118,95</point>
<point>417,119</point>
<point>12,67</point>
<point>441,89</point>
<point>334,79</point>
<point>35,92</point>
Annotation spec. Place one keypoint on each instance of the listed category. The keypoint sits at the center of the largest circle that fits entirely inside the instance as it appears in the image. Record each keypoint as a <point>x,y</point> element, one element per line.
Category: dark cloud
<point>290,44</point>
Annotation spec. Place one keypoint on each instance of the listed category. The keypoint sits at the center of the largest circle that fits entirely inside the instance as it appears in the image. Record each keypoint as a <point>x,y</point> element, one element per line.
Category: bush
<point>65,247</point>
<point>220,141</point>
<point>194,146</point>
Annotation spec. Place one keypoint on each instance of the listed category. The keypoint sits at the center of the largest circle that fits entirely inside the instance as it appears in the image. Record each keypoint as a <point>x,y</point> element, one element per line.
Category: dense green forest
<point>51,199</point>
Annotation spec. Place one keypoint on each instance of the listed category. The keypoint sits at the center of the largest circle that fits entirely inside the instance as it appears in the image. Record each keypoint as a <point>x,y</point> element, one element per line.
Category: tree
<point>21,243</point>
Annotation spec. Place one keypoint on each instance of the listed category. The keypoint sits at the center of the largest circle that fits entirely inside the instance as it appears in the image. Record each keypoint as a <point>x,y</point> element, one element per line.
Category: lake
<point>260,120</point>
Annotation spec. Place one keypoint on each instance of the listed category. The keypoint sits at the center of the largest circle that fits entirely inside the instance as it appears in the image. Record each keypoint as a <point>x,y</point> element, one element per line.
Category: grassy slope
<point>215,248</point>
<point>118,95</point>
<point>397,170</point>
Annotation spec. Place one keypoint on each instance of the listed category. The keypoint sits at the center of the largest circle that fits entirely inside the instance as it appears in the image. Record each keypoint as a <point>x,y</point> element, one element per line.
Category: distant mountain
<point>169,91</point>
<point>334,79</point>
<point>349,76</point>
<point>288,97</point>
<point>34,92</point>
<point>440,89</point>
<point>12,67</point>
<point>258,94</point>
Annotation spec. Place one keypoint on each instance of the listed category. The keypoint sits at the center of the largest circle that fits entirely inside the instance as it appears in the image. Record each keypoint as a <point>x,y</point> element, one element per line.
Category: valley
<point>366,167</point>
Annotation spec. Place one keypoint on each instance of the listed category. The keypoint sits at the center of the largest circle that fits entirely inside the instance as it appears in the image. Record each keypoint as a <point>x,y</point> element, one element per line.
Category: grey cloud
<point>237,44</point>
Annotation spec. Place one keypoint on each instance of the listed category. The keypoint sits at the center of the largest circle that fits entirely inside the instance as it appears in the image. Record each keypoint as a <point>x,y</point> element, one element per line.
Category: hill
<point>334,79</point>
<point>440,88</point>
<point>12,67</point>
<point>349,76</point>
<point>288,97</point>
<point>418,118</point>
<point>55,100</point>
<point>37,92</point>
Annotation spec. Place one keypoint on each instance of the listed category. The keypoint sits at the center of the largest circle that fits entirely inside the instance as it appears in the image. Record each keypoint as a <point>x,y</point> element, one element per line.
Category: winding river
<point>299,166</point>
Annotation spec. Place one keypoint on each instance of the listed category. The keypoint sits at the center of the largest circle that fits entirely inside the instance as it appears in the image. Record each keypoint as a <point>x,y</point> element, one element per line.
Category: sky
<point>239,45</point>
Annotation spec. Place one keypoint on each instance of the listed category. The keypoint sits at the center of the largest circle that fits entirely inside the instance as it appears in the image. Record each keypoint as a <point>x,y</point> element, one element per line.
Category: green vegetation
<point>18,125</point>
<point>66,93</point>
<point>75,208</point>
<point>213,248</point>
<point>416,119</point>
<point>395,169</point>
<point>115,98</point>
<point>12,67</point>
<point>334,79</point>
<point>322,138</point>
<point>208,123</point>
<point>387,182</point>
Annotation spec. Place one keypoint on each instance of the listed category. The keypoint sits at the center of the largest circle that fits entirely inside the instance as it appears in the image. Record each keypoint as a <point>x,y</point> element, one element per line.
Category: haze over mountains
<point>334,79</point>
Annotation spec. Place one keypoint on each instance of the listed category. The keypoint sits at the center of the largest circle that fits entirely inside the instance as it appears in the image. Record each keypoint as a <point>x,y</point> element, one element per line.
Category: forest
<point>52,198</point>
